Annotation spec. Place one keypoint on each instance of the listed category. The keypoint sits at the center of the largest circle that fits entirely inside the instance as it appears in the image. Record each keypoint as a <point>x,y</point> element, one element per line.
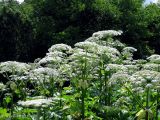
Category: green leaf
<point>3,113</point>
<point>8,99</point>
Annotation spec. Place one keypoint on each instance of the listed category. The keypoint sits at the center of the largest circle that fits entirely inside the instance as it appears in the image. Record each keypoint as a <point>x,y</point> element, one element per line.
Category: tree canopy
<point>28,29</point>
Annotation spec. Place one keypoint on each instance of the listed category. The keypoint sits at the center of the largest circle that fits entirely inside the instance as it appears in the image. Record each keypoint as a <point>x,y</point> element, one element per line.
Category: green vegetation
<point>79,78</point>
<point>98,79</point>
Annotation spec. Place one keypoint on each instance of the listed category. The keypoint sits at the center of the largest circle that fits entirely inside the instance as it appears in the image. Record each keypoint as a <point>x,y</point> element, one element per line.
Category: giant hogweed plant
<point>97,79</point>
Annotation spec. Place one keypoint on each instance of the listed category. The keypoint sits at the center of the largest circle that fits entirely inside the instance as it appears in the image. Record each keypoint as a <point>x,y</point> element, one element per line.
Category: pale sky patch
<point>151,1</point>
<point>146,2</point>
<point>20,1</point>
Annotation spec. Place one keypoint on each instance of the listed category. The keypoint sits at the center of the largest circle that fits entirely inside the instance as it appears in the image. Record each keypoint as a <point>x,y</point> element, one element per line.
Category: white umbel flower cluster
<point>145,79</point>
<point>2,87</point>
<point>106,33</point>
<point>14,67</point>
<point>89,46</point>
<point>129,49</point>
<point>46,71</point>
<point>50,60</point>
<point>127,52</point>
<point>60,47</point>
<point>57,54</point>
<point>36,103</point>
<point>116,67</point>
<point>151,66</point>
<point>154,58</point>
<point>119,78</point>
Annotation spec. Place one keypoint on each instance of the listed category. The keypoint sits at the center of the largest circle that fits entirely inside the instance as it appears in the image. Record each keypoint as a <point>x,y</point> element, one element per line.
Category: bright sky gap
<point>146,2</point>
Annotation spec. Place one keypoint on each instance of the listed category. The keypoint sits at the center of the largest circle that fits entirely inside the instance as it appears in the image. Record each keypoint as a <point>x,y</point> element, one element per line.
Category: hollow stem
<point>38,113</point>
<point>157,102</point>
<point>147,105</point>
<point>83,104</point>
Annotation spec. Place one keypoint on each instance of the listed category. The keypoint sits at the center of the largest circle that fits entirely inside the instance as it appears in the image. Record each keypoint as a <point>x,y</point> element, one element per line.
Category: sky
<point>150,1</point>
<point>146,2</point>
<point>20,1</point>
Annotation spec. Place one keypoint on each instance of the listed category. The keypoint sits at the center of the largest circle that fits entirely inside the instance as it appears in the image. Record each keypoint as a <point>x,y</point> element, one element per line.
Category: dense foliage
<point>27,30</point>
<point>97,79</point>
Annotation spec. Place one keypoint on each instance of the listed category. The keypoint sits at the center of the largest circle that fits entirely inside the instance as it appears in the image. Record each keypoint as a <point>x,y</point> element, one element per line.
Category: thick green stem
<point>147,105</point>
<point>60,102</point>
<point>38,113</point>
<point>157,102</point>
<point>135,97</point>
<point>109,96</point>
<point>106,95</point>
<point>100,97</point>
<point>12,106</point>
<point>44,115</point>
<point>83,104</point>
<point>157,99</point>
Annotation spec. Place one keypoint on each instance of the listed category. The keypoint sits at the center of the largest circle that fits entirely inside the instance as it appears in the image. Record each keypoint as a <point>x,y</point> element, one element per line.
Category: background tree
<point>32,27</point>
<point>15,33</point>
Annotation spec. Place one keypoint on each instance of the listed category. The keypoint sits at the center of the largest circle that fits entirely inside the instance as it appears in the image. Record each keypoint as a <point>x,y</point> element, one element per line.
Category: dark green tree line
<point>27,30</point>
<point>15,33</point>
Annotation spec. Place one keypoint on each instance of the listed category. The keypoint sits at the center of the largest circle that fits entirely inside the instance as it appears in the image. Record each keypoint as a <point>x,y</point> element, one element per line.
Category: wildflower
<point>131,68</point>
<point>151,66</point>
<point>116,67</point>
<point>106,33</point>
<point>138,89</point>
<point>80,54</point>
<point>155,81</point>
<point>154,58</point>
<point>66,69</point>
<point>86,45</point>
<point>140,61</point>
<point>49,59</point>
<point>113,51</point>
<point>129,49</point>
<point>93,39</point>
<point>46,71</point>
<point>147,74</point>
<point>119,78</point>
<point>56,54</point>
<point>2,86</point>
<point>149,85</point>
<point>128,61</point>
<point>14,67</point>
<point>145,79</point>
<point>60,47</point>
<point>35,103</point>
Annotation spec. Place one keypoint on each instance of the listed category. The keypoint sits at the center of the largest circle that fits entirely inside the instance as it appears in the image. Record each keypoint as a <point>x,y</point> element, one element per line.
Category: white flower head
<point>106,33</point>
<point>36,103</point>
<point>13,66</point>
<point>132,68</point>
<point>145,79</point>
<point>87,45</point>
<point>56,54</point>
<point>116,67</point>
<point>50,59</point>
<point>47,71</point>
<point>154,56</point>
<point>154,59</point>
<point>129,49</point>
<point>119,77</point>
<point>60,47</point>
<point>151,66</point>
<point>93,39</point>
<point>149,86</point>
<point>2,86</point>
